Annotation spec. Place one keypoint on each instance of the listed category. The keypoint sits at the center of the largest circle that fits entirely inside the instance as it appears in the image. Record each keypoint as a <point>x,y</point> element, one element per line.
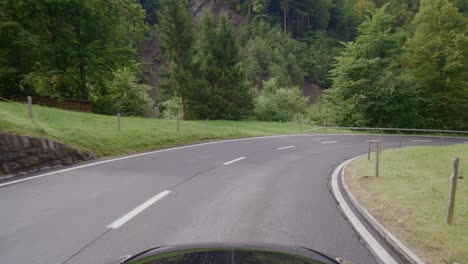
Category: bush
<point>124,96</point>
<point>171,108</point>
<point>276,103</point>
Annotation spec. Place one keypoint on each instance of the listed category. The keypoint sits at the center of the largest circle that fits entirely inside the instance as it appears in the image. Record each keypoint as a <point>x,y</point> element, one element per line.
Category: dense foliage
<point>382,62</point>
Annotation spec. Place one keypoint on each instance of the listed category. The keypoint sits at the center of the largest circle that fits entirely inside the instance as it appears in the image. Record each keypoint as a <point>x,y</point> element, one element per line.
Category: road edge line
<point>396,244</point>
<point>379,252</point>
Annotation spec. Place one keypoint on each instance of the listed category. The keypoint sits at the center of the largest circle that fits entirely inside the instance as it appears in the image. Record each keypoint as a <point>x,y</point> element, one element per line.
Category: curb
<point>396,244</point>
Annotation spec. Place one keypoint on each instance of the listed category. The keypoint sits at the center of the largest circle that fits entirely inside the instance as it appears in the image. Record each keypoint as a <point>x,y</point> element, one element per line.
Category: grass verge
<point>411,195</point>
<point>99,134</point>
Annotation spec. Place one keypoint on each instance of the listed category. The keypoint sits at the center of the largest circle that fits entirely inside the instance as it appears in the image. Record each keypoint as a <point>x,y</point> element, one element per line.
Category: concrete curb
<point>396,244</point>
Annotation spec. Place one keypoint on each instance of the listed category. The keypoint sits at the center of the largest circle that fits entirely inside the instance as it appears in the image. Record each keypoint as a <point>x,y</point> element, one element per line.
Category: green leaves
<point>437,55</point>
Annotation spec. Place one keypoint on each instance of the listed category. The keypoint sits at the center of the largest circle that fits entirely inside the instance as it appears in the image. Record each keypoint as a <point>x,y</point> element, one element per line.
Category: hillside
<point>99,134</point>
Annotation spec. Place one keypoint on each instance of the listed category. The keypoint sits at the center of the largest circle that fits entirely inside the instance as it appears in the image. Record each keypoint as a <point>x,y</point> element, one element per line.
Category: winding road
<point>271,189</point>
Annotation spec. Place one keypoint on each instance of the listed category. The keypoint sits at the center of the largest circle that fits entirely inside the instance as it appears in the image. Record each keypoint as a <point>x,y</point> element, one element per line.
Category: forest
<point>380,63</point>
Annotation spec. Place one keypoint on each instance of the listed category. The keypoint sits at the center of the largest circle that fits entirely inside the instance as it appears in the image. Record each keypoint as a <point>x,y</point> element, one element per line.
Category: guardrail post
<point>453,190</point>
<point>30,107</point>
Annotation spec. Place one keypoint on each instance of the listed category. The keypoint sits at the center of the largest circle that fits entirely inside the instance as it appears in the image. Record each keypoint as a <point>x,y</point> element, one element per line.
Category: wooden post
<point>118,121</point>
<point>453,190</point>
<point>369,148</point>
<point>178,122</point>
<point>377,159</point>
<point>30,107</point>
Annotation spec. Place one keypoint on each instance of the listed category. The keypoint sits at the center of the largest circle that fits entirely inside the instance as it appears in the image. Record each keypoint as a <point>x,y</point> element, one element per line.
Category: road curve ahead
<point>273,190</point>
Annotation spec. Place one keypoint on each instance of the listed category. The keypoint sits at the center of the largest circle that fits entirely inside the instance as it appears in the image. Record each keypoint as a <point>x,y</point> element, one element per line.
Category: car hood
<point>229,253</point>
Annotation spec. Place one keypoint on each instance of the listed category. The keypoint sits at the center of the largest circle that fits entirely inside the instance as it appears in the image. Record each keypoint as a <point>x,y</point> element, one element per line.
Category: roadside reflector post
<point>178,122</point>
<point>30,107</point>
<point>453,190</point>
<point>369,148</point>
<point>206,124</point>
<point>377,159</point>
<point>118,121</point>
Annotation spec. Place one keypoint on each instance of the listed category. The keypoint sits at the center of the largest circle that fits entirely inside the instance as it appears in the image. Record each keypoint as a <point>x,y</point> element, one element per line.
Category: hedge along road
<point>271,189</point>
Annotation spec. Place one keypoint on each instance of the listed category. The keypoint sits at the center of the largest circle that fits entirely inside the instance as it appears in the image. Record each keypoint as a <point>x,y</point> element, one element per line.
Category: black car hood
<point>229,253</point>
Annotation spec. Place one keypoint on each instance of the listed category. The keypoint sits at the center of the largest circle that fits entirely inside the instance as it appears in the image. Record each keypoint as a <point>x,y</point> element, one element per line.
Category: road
<point>273,190</point>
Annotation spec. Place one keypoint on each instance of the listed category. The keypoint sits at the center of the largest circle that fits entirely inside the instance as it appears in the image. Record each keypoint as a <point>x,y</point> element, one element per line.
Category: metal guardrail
<point>392,129</point>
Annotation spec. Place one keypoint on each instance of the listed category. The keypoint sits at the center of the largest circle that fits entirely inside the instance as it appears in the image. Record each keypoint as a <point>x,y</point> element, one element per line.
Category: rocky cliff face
<point>197,7</point>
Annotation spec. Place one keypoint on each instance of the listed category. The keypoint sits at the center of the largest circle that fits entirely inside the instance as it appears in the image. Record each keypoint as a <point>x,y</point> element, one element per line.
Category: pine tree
<point>437,55</point>
<point>227,94</point>
<point>176,33</point>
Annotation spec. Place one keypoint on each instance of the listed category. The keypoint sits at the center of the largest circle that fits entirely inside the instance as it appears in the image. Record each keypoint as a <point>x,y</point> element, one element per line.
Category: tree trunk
<point>285,22</point>
<point>250,7</point>
<point>297,25</point>
<point>82,65</point>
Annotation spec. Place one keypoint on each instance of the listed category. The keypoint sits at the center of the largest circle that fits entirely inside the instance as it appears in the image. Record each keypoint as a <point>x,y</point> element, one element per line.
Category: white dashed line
<point>329,142</point>
<point>373,140</point>
<point>232,161</point>
<point>288,147</point>
<point>421,140</point>
<point>122,220</point>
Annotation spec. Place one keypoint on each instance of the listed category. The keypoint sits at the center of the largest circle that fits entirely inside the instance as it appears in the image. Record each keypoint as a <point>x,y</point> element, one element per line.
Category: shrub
<point>276,103</point>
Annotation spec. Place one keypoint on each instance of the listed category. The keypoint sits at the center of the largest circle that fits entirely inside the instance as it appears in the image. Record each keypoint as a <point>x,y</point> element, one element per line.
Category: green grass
<point>98,133</point>
<point>411,196</point>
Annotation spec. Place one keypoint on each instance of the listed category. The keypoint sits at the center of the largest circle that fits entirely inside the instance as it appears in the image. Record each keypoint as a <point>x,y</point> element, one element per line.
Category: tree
<point>369,89</point>
<point>176,33</point>
<point>228,94</point>
<point>437,54</point>
<point>72,47</point>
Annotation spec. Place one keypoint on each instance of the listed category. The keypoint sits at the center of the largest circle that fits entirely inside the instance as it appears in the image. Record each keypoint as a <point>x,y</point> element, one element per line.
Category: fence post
<point>369,148</point>
<point>377,159</point>
<point>118,121</point>
<point>30,107</point>
<point>453,190</point>
<point>178,122</point>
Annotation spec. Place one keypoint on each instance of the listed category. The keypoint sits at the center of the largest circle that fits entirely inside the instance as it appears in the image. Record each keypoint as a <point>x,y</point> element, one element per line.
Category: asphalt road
<point>278,193</point>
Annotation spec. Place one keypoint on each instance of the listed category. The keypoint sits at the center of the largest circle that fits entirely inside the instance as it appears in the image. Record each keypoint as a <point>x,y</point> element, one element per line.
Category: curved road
<point>273,189</point>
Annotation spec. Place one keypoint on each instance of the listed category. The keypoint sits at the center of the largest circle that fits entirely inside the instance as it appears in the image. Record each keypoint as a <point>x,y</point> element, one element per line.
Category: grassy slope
<point>411,197</point>
<point>98,133</point>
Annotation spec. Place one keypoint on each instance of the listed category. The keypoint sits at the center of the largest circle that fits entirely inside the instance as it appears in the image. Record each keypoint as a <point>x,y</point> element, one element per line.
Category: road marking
<point>150,153</point>
<point>373,140</point>
<point>122,220</point>
<point>421,140</point>
<point>375,246</point>
<point>288,147</point>
<point>329,142</point>
<point>232,161</point>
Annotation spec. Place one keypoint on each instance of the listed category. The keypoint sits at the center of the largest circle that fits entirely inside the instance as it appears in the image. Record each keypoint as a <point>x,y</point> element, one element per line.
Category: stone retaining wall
<point>22,155</point>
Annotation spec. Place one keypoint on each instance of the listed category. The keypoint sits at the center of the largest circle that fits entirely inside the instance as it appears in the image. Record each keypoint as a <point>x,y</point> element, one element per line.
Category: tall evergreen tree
<point>227,93</point>
<point>177,38</point>
<point>437,55</point>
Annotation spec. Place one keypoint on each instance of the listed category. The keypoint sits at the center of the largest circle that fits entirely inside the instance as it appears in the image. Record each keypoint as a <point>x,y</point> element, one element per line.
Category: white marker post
<point>30,107</point>
<point>118,121</point>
